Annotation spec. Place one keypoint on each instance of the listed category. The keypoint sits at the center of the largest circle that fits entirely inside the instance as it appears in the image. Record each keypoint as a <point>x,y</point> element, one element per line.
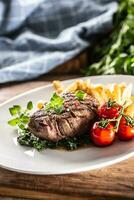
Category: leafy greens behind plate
<point>115,55</point>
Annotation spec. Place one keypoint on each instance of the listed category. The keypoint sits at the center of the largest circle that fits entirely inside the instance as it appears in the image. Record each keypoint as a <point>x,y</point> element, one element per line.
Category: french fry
<point>89,91</point>
<point>127,93</point>
<point>121,93</point>
<point>89,86</point>
<point>116,94</point>
<point>79,84</point>
<point>108,93</point>
<point>130,110</point>
<point>122,87</point>
<point>84,86</point>
<point>97,95</point>
<point>101,91</point>
<point>58,87</point>
<point>132,98</point>
<point>72,88</point>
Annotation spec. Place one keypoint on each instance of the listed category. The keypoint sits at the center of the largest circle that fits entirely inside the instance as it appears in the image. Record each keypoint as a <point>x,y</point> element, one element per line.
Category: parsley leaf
<point>13,122</point>
<point>30,105</point>
<point>21,126</point>
<point>14,110</point>
<point>24,118</point>
<point>55,104</point>
<point>80,95</point>
<point>21,116</point>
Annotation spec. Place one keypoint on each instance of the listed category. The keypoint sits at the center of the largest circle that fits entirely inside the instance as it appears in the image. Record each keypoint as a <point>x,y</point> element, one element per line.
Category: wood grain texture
<point>12,89</point>
<point>114,182</point>
<point>74,65</point>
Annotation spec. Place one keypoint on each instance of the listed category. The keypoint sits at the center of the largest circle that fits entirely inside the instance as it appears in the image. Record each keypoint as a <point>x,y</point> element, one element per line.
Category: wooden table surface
<point>114,182</point>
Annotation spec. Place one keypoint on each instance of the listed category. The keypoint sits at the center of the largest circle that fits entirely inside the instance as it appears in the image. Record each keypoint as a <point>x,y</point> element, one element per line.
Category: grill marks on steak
<point>77,118</point>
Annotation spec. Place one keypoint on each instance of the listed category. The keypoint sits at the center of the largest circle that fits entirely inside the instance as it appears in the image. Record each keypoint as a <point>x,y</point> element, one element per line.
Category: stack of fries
<point>121,93</point>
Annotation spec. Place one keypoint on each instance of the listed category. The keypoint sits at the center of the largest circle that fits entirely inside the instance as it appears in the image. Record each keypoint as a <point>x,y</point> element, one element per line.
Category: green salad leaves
<point>115,55</point>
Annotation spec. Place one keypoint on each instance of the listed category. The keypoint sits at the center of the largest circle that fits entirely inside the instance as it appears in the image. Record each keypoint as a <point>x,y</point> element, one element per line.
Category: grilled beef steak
<point>76,118</point>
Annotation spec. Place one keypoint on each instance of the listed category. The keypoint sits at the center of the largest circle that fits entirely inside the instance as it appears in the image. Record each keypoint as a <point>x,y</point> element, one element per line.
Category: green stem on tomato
<point>120,116</point>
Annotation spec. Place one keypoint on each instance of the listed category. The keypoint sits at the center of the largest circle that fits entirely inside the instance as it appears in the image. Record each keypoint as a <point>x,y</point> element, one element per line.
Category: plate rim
<point>50,84</point>
<point>74,171</point>
<point>78,169</point>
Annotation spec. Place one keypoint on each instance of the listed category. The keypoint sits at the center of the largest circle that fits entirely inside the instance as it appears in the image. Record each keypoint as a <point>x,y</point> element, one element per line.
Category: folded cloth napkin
<point>38,35</point>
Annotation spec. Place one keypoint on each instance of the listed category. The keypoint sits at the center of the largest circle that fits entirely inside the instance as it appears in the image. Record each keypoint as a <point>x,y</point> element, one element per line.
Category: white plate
<point>27,160</point>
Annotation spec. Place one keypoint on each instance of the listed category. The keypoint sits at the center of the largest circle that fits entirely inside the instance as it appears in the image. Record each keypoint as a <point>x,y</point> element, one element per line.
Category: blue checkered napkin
<point>38,35</point>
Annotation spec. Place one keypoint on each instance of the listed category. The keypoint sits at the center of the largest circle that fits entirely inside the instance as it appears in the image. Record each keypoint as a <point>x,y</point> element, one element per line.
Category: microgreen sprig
<point>21,116</point>
<point>80,95</point>
<point>55,104</point>
<point>14,110</point>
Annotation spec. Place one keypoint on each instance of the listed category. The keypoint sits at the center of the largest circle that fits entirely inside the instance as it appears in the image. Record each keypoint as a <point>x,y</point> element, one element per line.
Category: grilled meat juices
<point>74,116</point>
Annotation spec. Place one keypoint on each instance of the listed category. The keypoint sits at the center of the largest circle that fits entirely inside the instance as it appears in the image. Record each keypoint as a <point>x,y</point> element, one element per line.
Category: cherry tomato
<point>126,129</point>
<point>102,136</point>
<point>109,110</point>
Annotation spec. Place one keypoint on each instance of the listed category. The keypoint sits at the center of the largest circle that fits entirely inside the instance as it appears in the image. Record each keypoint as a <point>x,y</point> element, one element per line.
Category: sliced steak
<point>77,118</point>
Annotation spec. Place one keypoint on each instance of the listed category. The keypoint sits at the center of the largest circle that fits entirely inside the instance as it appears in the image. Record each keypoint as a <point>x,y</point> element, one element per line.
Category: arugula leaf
<point>55,104</point>
<point>30,105</point>
<point>80,95</point>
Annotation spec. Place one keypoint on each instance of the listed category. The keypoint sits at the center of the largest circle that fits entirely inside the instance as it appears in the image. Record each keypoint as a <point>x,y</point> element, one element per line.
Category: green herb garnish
<point>80,95</point>
<point>115,54</point>
<point>30,105</point>
<point>28,139</point>
<point>14,122</point>
<point>21,117</point>
<point>55,104</point>
<point>14,110</point>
